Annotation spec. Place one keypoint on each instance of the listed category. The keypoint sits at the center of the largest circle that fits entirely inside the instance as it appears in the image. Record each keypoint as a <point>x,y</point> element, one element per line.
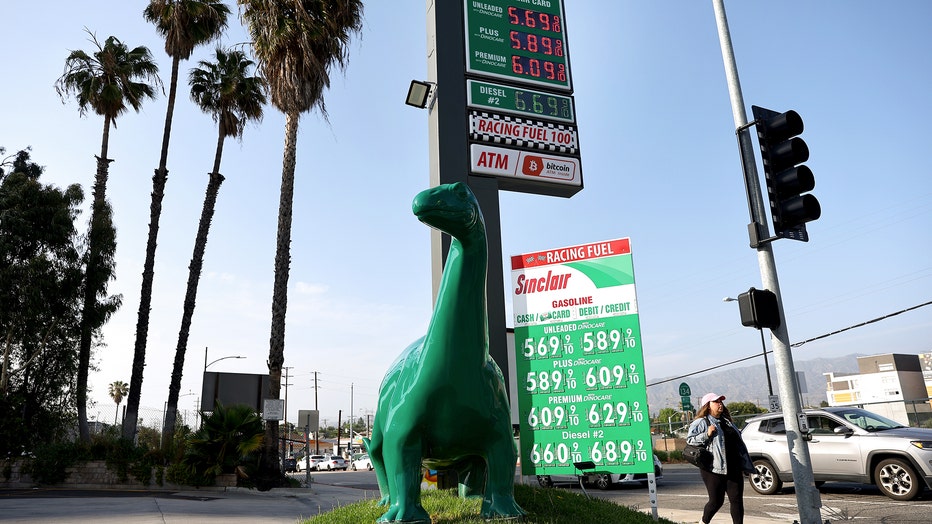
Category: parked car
<point>362,462</point>
<point>314,460</point>
<point>847,444</point>
<point>602,480</point>
<point>291,465</point>
<point>332,463</point>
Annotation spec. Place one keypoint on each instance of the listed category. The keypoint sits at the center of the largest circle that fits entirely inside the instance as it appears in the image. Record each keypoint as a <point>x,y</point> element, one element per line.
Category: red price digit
<point>558,49</point>
<point>515,41</point>
<point>529,19</point>
<point>547,44</point>
<point>513,16</point>
<point>532,43</point>
<point>544,21</point>
<point>516,66</point>
<point>556,24</point>
<point>534,67</point>
<point>548,67</point>
<point>561,73</point>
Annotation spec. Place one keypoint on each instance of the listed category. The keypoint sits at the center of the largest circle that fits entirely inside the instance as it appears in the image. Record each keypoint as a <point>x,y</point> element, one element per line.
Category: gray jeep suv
<point>847,444</point>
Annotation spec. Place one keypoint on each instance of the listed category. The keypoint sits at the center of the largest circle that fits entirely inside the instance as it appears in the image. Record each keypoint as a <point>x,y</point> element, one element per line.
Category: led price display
<point>519,40</point>
<point>527,102</point>
<point>581,386</point>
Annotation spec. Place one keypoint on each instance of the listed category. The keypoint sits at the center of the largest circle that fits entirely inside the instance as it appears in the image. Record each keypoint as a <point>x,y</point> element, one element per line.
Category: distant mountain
<point>749,384</point>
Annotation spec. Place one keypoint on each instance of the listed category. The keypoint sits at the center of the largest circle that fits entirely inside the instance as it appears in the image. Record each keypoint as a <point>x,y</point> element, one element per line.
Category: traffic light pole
<point>807,496</point>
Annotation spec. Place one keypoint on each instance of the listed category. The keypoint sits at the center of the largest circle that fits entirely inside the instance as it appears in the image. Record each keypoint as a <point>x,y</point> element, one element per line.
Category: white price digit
<point>596,453</point>
<point>593,414</point>
<point>532,418</point>
<point>611,451</point>
<point>531,383</point>
<point>626,450</point>
<point>622,409</point>
<point>587,342</point>
<point>528,347</point>
<point>535,454</point>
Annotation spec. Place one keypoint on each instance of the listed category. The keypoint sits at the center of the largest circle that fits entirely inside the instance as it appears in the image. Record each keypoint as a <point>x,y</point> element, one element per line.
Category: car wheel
<point>545,481</point>
<point>603,481</point>
<point>765,479</point>
<point>369,466</point>
<point>897,479</point>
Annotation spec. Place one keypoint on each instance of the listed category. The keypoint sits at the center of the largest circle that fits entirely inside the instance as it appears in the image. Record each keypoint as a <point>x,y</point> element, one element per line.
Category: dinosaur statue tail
<point>366,442</point>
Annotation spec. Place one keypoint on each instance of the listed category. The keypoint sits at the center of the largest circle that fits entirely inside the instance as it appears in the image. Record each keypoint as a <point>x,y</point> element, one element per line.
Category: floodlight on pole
<point>421,94</point>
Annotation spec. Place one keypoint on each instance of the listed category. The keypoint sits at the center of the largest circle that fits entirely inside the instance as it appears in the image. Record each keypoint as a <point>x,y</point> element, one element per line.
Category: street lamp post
<point>206,365</point>
<point>763,346</point>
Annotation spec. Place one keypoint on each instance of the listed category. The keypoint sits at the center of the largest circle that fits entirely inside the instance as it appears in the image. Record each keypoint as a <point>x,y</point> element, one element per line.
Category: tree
<point>184,24</point>
<point>225,90</point>
<point>296,43</point>
<point>117,390</point>
<point>744,408</point>
<point>41,274</point>
<point>108,82</point>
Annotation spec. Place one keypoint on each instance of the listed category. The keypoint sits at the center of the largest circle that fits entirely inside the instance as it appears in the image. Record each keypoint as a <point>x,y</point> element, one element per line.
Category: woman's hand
<point>712,430</point>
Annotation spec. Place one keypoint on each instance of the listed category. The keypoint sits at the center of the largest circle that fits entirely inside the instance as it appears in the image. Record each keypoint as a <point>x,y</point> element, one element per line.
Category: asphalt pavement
<point>213,505</point>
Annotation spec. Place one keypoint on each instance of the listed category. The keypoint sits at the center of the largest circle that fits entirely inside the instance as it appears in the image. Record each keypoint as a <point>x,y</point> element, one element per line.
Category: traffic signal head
<point>758,309</point>
<point>782,152</point>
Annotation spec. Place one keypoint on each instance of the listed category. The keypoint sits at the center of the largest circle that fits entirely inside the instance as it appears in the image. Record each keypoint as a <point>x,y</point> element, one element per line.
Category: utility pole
<point>807,496</point>
<point>316,433</point>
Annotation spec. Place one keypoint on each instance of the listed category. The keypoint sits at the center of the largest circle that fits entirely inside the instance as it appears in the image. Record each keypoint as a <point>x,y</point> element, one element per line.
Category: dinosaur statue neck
<point>461,314</point>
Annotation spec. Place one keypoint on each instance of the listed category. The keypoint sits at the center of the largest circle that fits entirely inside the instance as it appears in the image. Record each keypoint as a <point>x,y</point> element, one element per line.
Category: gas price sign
<point>580,368</point>
<point>520,40</point>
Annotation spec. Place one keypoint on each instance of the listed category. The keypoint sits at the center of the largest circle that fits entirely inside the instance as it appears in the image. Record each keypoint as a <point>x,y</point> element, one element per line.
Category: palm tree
<point>226,91</point>
<point>184,24</point>
<point>108,82</point>
<point>296,43</point>
<point>117,390</point>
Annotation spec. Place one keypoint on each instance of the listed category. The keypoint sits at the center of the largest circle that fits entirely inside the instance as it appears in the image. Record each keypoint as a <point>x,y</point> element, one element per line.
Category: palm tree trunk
<point>190,297</point>
<point>148,272</point>
<point>92,281</point>
<point>280,289</point>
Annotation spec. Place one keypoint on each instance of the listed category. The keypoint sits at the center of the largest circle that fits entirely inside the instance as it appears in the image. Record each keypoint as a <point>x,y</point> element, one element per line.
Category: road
<point>681,488</point>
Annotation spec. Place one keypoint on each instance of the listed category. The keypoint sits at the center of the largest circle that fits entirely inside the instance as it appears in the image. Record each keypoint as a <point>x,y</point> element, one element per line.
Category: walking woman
<point>714,429</point>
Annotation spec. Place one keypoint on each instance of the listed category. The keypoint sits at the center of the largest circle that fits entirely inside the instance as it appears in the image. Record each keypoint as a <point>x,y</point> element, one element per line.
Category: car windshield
<point>865,419</point>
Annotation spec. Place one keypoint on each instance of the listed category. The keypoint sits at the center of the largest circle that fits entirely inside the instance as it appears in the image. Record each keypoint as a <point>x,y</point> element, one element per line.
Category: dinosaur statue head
<point>451,208</point>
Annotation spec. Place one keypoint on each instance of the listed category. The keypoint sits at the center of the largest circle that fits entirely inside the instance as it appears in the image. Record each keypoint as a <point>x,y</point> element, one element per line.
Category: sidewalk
<point>216,505</point>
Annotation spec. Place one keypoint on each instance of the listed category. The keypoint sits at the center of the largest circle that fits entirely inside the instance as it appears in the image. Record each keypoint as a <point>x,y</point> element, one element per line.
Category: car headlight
<point>922,444</point>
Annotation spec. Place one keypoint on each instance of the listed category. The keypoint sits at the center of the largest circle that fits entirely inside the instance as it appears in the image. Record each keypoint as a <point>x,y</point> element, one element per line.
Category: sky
<point>660,166</point>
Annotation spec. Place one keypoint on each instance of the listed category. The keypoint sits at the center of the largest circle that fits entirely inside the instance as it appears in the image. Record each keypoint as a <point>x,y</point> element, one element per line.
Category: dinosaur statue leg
<point>402,456</point>
<point>499,498</point>
<point>472,478</point>
<point>374,449</point>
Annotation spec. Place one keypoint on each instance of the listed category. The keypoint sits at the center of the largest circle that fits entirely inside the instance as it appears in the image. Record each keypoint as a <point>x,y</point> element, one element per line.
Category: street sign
<point>525,45</point>
<point>309,418</point>
<point>520,101</point>
<point>522,132</point>
<point>579,362</point>
<point>684,390</point>
<point>511,163</point>
<point>273,409</point>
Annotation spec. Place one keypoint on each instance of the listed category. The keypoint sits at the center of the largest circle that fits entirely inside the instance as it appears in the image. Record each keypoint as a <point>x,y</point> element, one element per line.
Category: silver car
<point>602,480</point>
<point>846,444</point>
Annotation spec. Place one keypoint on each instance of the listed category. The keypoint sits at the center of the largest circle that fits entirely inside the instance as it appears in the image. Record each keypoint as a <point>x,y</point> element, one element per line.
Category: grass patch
<point>544,506</point>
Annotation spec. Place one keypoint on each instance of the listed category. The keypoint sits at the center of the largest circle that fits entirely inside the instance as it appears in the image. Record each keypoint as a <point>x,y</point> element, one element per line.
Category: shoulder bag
<point>698,456</point>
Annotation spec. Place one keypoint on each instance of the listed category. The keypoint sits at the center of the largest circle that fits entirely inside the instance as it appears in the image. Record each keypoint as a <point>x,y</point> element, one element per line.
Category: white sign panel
<point>499,161</point>
<point>522,132</point>
<point>273,409</point>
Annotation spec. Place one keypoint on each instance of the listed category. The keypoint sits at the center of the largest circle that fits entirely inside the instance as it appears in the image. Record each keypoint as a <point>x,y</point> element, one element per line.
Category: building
<point>890,384</point>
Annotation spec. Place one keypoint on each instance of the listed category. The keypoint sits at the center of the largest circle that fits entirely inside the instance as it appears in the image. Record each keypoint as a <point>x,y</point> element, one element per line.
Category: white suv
<point>847,444</point>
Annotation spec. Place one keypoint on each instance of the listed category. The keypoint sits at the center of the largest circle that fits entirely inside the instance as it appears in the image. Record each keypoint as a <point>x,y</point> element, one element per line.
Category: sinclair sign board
<point>579,364</point>
<point>521,41</point>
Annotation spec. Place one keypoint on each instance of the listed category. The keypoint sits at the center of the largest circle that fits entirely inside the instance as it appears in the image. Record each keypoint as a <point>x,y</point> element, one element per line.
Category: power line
<point>794,345</point>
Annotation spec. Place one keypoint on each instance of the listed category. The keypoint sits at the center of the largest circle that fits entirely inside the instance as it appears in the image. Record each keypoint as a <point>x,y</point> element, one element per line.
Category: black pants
<point>717,486</point>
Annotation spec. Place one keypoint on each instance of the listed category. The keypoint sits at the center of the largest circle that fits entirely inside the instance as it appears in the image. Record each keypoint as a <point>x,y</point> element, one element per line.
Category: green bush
<point>49,462</point>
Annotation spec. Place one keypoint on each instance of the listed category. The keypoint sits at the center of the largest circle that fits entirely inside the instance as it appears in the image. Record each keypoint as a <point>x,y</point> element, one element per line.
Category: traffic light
<point>758,308</point>
<point>783,152</point>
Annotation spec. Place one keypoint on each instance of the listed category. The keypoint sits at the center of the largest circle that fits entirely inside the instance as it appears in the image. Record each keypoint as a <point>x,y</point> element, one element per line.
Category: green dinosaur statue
<point>443,402</point>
